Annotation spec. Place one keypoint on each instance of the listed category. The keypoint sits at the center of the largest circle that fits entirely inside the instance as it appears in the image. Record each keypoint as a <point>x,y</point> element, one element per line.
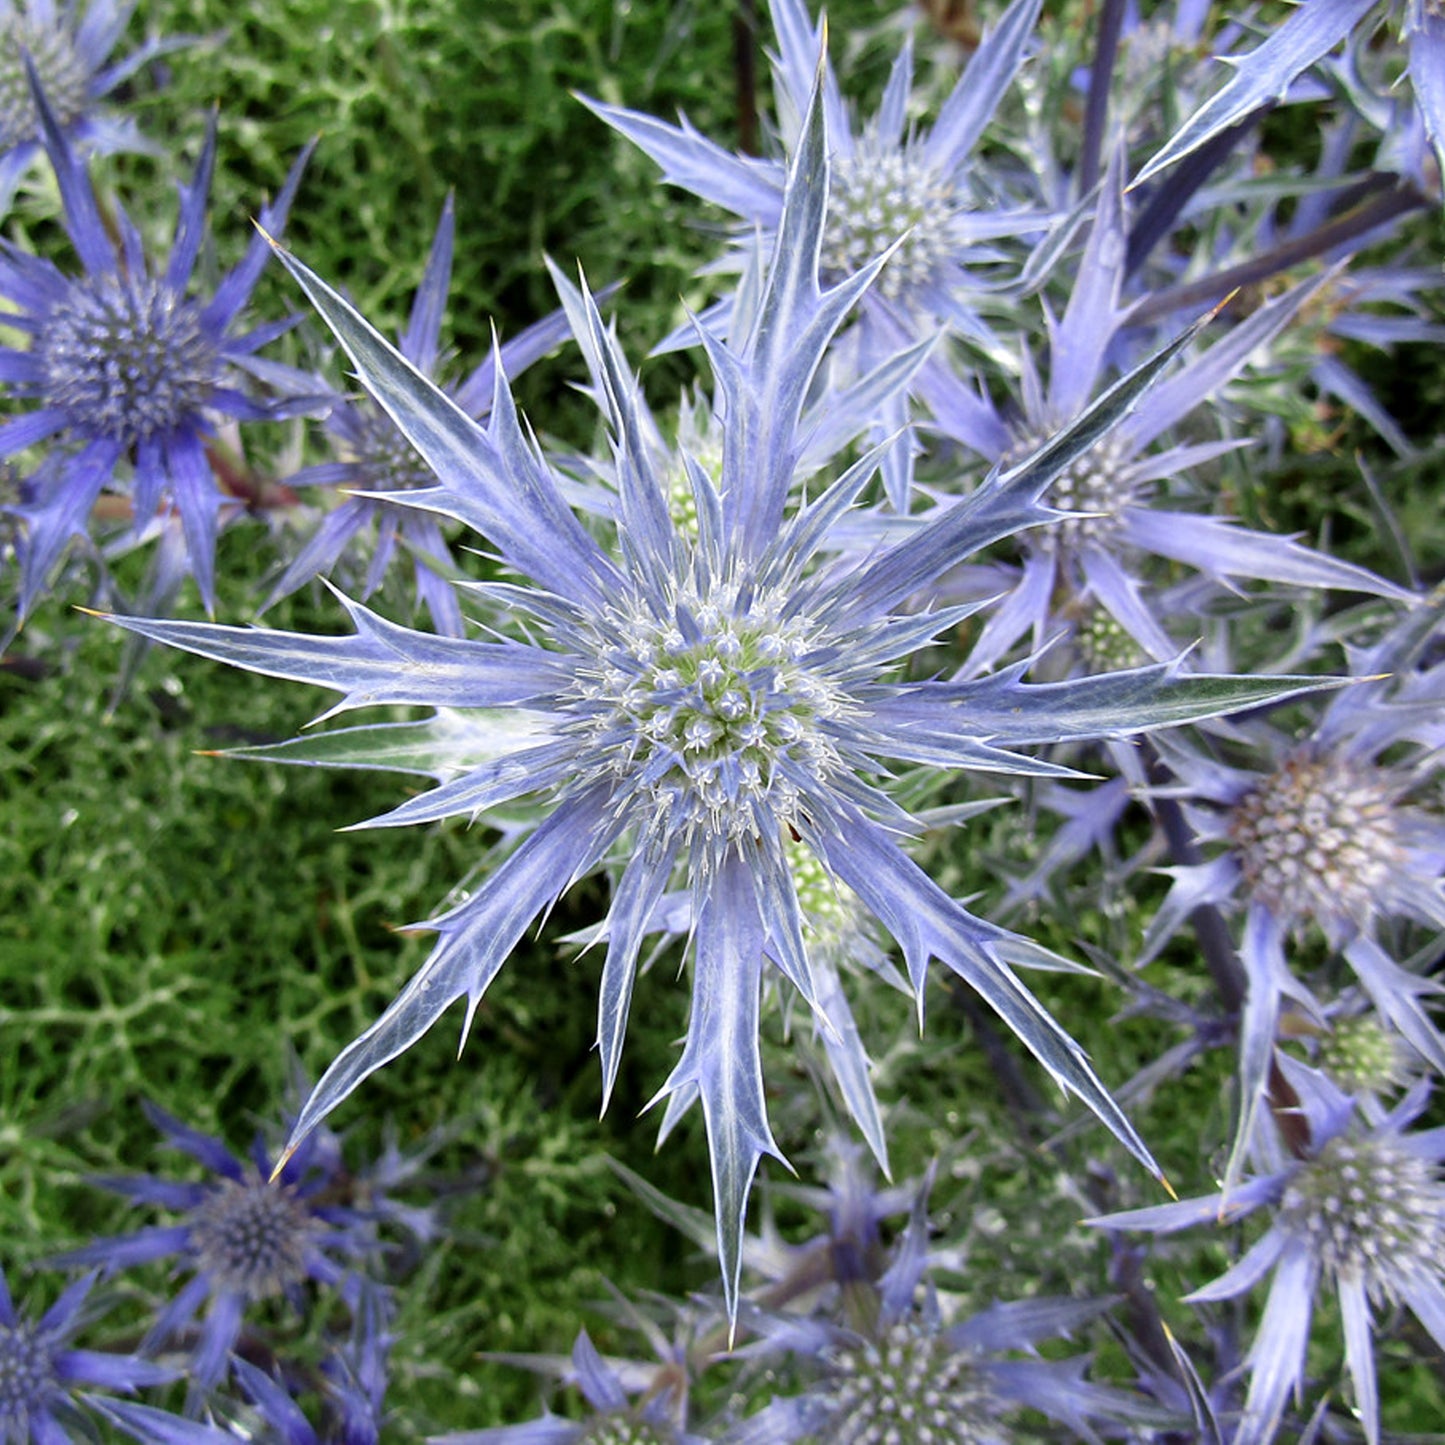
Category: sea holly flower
<point>918,198</point>
<point>248,1233</point>
<point>1323,832</point>
<point>683,702</point>
<point>378,460</point>
<point>1360,1209</point>
<point>69,50</point>
<point>1089,560</point>
<point>901,1373</point>
<point>127,368</point>
<point>41,1372</point>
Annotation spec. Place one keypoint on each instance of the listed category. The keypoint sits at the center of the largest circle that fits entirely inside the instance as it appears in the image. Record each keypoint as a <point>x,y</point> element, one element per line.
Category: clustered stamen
<point>127,358</point>
<point>711,718</point>
<point>878,195</point>
<point>833,915</point>
<point>909,1389</point>
<point>59,67</point>
<point>1368,1209</point>
<point>27,1377</point>
<point>1098,483</point>
<point>1103,643</point>
<point>1362,1055</point>
<point>623,1428</point>
<point>386,460</point>
<point>253,1237</point>
<point>1317,838</point>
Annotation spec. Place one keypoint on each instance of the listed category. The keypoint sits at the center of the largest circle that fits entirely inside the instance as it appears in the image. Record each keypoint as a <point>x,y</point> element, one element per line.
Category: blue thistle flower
<point>126,367</point>
<point>1323,834</point>
<point>1114,489</point>
<point>68,50</point>
<point>686,700</point>
<point>248,1234</point>
<point>378,459</point>
<point>40,1372</point>
<point>915,198</point>
<point>1361,1209</point>
<point>901,1374</point>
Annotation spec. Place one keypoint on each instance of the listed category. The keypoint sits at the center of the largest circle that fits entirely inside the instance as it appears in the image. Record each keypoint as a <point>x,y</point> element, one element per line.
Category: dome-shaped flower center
<point>63,77</point>
<point>908,1389</point>
<point>1103,643</point>
<point>27,1377</point>
<point>126,358</point>
<point>833,916</point>
<point>1361,1055</point>
<point>1368,1208</point>
<point>386,460</point>
<point>252,1237</point>
<point>1098,483</point>
<point>711,719</point>
<point>624,1428</point>
<point>1317,838</point>
<point>878,195</point>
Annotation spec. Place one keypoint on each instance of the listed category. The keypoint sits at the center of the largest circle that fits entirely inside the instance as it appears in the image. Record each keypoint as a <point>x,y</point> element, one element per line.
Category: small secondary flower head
<point>68,49</point>
<point>127,367</point>
<point>40,1371</point>
<point>244,1235</point>
<point>1363,1210</point>
<point>376,460</point>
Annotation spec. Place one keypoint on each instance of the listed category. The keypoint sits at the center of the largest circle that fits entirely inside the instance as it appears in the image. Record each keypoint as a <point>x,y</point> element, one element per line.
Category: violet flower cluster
<point>969,511</point>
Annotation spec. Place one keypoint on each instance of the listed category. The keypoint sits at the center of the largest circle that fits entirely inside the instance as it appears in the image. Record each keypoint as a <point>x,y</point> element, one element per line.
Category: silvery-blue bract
<point>682,699</point>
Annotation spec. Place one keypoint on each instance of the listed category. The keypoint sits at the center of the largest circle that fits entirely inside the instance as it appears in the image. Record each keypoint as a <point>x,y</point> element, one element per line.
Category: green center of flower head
<point>877,195</point>
<point>624,1428</point>
<point>1317,838</point>
<point>1098,483</point>
<point>1103,643</point>
<point>386,460</point>
<point>26,1378</point>
<point>1367,1208</point>
<point>909,1388</point>
<point>700,436</point>
<point>713,718</point>
<point>832,913</point>
<point>252,1237</point>
<point>62,74</point>
<point>1362,1055</point>
<point>126,357</point>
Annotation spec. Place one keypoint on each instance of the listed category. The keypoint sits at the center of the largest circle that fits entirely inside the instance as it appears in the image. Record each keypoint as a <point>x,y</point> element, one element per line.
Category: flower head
<point>40,1371</point>
<point>899,1373</point>
<point>1116,510</point>
<point>68,51</point>
<point>1361,1210</point>
<point>246,1234</point>
<point>127,367</point>
<point>376,460</point>
<point>914,199</point>
<point>1324,833</point>
<point>684,701</point>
